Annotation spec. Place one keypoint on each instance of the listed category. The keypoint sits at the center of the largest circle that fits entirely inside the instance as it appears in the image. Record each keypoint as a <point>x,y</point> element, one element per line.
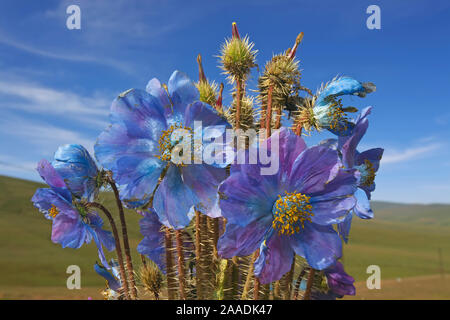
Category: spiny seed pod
<point>152,278</point>
<point>282,76</point>
<point>247,112</point>
<point>304,116</point>
<point>207,90</point>
<point>237,56</point>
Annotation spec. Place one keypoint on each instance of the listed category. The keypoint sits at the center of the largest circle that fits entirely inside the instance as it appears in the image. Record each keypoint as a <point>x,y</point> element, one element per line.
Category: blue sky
<point>56,84</point>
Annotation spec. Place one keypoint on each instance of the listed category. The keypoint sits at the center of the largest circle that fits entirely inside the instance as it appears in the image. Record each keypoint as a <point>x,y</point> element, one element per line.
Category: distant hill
<point>404,240</point>
<point>415,213</point>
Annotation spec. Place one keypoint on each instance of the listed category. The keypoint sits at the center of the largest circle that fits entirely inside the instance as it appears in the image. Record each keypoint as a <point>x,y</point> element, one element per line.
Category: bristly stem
<point>238,104</point>
<point>248,280</point>
<point>298,129</point>
<point>170,269</point>
<point>198,255</point>
<point>279,115</point>
<point>307,295</point>
<point>126,243</point>
<point>118,246</point>
<point>181,266</point>
<point>256,289</point>
<point>269,111</point>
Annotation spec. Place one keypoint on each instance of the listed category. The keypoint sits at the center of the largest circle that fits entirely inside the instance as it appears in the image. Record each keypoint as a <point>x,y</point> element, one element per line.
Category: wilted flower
<point>290,211</point>
<point>114,283</point>
<point>139,144</point>
<point>73,224</point>
<point>325,111</point>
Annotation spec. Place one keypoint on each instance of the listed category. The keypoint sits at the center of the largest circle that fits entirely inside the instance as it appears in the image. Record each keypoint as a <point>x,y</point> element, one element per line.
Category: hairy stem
<point>279,115</point>
<point>238,104</point>
<point>269,111</point>
<point>181,266</point>
<point>198,255</point>
<point>126,243</point>
<point>248,280</point>
<point>170,269</point>
<point>118,246</point>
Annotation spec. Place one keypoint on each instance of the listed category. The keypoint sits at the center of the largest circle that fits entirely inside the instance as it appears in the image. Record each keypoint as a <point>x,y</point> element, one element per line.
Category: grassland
<point>403,240</point>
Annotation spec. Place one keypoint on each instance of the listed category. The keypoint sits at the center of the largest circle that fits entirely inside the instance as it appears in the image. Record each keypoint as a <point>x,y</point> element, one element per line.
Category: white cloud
<point>408,154</point>
<point>65,56</point>
<point>35,98</point>
<point>42,138</point>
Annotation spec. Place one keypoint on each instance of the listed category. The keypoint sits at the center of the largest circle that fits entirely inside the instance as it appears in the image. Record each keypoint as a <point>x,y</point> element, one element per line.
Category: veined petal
<point>204,181</point>
<point>53,179</point>
<point>173,200</point>
<point>313,169</point>
<point>319,245</point>
<point>242,241</point>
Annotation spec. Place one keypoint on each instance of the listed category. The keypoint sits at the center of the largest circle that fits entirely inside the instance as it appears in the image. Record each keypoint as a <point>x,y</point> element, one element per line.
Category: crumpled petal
<point>74,164</point>
<point>339,281</point>
<point>275,259</point>
<point>362,208</point>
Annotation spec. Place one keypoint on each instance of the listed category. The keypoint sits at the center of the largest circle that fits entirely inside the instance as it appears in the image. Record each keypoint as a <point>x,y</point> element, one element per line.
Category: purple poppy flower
<point>73,225</point>
<point>138,147</point>
<point>367,164</point>
<point>289,212</point>
<point>79,171</point>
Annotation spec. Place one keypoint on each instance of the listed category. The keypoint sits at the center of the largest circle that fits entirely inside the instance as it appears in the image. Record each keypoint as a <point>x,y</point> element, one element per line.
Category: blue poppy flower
<point>138,146</point>
<point>79,171</point>
<point>328,113</point>
<point>289,212</point>
<point>153,243</point>
<point>73,224</point>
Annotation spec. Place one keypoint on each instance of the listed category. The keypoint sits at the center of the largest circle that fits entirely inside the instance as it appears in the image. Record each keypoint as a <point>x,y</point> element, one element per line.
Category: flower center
<point>367,173</point>
<point>53,211</point>
<point>170,138</point>
<point>290,213</point>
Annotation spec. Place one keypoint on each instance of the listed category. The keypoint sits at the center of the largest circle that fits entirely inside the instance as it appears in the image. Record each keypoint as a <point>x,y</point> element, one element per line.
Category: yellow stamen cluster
<point>291,212</point>
<point>336,113</point>
<point>53,211</point>
<point>369,176</point>
<point>166,144</point>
